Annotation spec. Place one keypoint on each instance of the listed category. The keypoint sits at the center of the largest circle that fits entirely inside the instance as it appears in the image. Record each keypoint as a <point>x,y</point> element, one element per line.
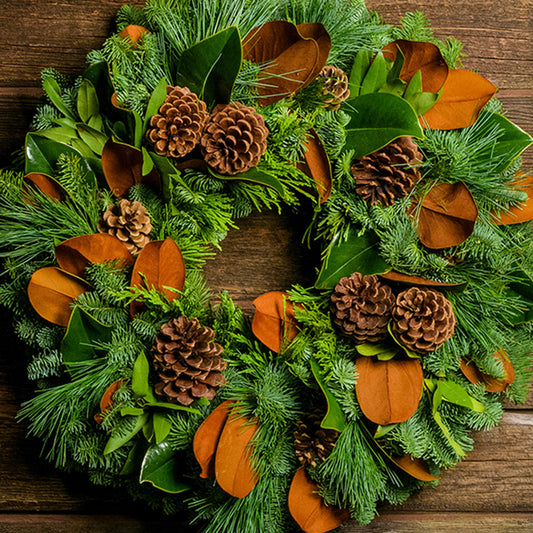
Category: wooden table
<point>491,490</point>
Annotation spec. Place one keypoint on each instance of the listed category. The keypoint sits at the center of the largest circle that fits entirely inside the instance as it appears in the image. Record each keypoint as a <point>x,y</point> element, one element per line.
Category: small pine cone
<point>129,223</point>
<point>388,174</point>
<point>361,307</point>
<point>187,362</point>
<point>234,139</point>
<point>422,319</point>
<point>336,87</point>
<point>313,444</point>
<point>179,125</point>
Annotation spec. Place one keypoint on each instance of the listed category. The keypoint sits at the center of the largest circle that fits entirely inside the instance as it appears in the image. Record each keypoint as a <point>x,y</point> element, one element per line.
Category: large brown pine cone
<point>178,126</point>
<point>313,444</point>
<point>128,222</point>
<point>336,87</point>
<point>422,319</point>
<point>388,174</point>
<point>234,139</point>
<point>361,307</point>
<point>187,362</point>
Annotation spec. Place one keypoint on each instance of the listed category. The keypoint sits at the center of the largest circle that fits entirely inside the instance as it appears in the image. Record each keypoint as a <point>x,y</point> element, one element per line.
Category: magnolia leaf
<point>361,64</point>
<point>233,468</point>
<point>148,162</point>
<point>491,383</point>
<point>254,175</point>
<point>376,120</point>
<point>134,34</point>
<point>334,418</point>
<point>420,100</point>
<point>139,380</point>
<point>522,212</point>
<point>125,411</point>
<point>53,91</point>
<point>415,467</point>
<point>293,57</point>
<point>383,351</point>
<point>159,265</point>
<point>206,439</point>
<point>308,508</point>
<point>75,254</point>
<point>388,391</point>
<point>356,253</point>
<point>160,466</point>
<point>317,165</point>
<point>395,85</point>
<point>83,332</point>
<point>122,165</point>
<point>106,402</point>
<point>376,75</point>
<point>464,94</point>
<point>447,216</point>
<point>209,68</point>
<point>156,100</point>
<point>61,134</point>
<point>162,425</point>
<point>166,171</point>
<point>44,184</point>
<point>117,441</point>
<point>171,406</point>
<point>94,139</point>
<point>454,393</point>
<point>135,458</point>
<point>274,322</point>
<point>423,57</point>
<point>437,400</point>
<point>52,292</point>
<point>409,279</point>
<point>87,102</point>
<point>409,353</point>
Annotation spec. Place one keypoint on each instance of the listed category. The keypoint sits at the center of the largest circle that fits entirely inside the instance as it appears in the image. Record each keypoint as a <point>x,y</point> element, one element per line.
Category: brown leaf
<point>492,384</point>
<point>233,469</point>
<point>293,56</point>
<point>308,508</point>
<point>73,255</point>
<point>408,279</point>
<point>107,399</point>
<point>519,213</point>
<point>47,185</point>
<point>134,33</point>
<point>122,166</point>
<point>317,165</point>
<point>388,391</point>
<point>464,95</point>
<point>415,467</point>
<point>206,439</point>
<point>422,56</point>
<point>274,322</point>
<point>447,216</point>
<point>51,292</point>
<point>162,265</point>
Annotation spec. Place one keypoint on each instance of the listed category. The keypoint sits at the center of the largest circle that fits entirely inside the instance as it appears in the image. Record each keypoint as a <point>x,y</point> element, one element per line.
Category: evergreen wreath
<point>336,397</point>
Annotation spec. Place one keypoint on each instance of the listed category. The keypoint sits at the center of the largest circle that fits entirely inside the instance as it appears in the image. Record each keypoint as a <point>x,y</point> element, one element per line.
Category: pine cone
<point>234,139</point>
<point>187,362</point>
<point>422,319</point>
<point>128,222</point>
<point>388,174</point>
<point>336,87</point>
<point>361,307</point>
<point>178,126</point>
<point>313,444</point>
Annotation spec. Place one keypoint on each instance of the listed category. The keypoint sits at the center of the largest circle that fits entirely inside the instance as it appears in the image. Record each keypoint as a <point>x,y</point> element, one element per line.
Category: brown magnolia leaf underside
<point>206,439</point>
<point>47,185</point>
<point>492,384</point>
<point>107,399</point>
<point>122,166</point>
<point>447,216</point>
<point>408,279</point>
<point>233,468</point>
<point>274,322</point>
<point>422,56</point>
<point>464,95</point>
<point>134,33</point>
<point>52,291</point>
<point>388,391</point>
<point>308,508</point>
<point>162,265</point>
<point>74,255</point>
<point>522,212</point>
<point>415,467</point>
<point>317,165</point>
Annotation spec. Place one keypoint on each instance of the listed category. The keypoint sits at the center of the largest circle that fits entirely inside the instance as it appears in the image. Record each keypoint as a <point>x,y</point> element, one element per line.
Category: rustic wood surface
<point>491,490</point>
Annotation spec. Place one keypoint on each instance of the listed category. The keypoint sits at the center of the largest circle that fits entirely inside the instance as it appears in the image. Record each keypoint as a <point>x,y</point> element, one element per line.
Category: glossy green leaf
<point>376,120</point>
<point>156,100</point>
<point>411,354</point>
<point>356,253</point>
<point>96,122</point>
<point>166,171</point>
<point>139,380</point>
<point>131,411</point>
<point>414,87</point>
<point>376,76</point>
<point>255,175</point>
<point>437,400</point>
<point>162,425</point>
<point>94,139</point>
<point>148,429</point>
<point>173,407</point>
<point>381,431</point>
<point>148,162</point>
<point>383,351</point>
<point>138,135</point>
<point>454,393</point>
<point>117,441</point>
<point>334,418</point>
<point>83,332</point>
<point>135,458</point>
<point>61,134</point>
<point>210,67</point>
<point>362,62</point>
<point>53,91</point>
<point>160,468</point>
<point>87,102</point>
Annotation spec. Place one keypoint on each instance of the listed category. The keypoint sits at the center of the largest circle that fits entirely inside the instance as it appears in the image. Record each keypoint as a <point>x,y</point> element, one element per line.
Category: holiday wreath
<point>336,397</point>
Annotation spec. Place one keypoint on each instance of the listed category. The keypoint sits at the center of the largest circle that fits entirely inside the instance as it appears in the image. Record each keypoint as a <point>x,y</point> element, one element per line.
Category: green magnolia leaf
<point>255,175</point>
<point>210,67</point>
<point>162,425</point>
<point>376,76</point>
<point>148,163</point>
<point>96,122</point>
<point>376,120</point>
<point>362,62</point>
<point>334,418</point>
<point>357,253</point>
<point>381,431</point>
<point>94,139</point>
<point>414,87</point>
<point>156,100</point>
<point>135,457</point>
<point>411,354</point>
<point>83,332</point>
<point>437,400</point>
<point>148,429</point>
<point>87,102</point>
<point>383,351</point>
<point>131,411</point>
<point>166,171</point>
<point>117,441</point>
<point>138,135</point>
<point>61,134</point>
<point>454,393</point>
<point>160,467</point>
<point>53,91</point>
<point>64,121</point>
<point>173,407</point>
<point>139,380</point>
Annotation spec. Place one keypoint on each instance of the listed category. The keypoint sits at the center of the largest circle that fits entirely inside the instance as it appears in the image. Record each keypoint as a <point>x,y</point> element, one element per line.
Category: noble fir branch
<point>68,89</point>
<point>44,118</point>
<point>46,364</point>
<point>520,351</point>
<point>109,280</point>
<point>99,308</point>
